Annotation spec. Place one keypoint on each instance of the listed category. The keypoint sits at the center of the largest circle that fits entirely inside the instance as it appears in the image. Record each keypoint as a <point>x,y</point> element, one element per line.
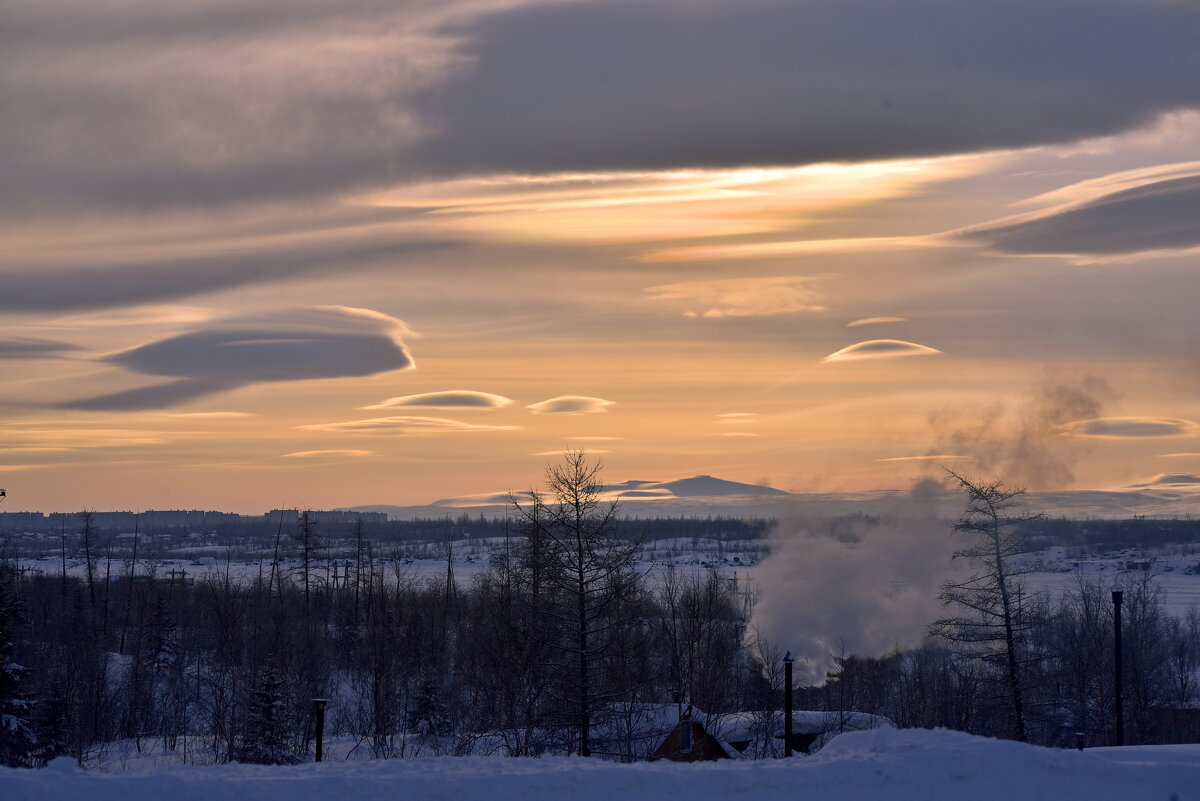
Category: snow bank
<point>883,764</point>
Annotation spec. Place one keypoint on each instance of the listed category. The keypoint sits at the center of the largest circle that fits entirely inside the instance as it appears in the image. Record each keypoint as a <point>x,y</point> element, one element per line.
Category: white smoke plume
<point>1024,443</point>
<point>867,584</point>
<point>859,586</point>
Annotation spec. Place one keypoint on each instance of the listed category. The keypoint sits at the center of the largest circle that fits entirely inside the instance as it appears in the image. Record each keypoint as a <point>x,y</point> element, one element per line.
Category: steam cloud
<point>864,588</point>
<point>1025,447</point>
<point>853,587</point>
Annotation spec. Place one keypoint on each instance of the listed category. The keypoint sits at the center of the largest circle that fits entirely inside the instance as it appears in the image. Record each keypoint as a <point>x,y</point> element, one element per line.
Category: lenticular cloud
<point>449,399</point>
<point>284,345</point>
<point>880,349</point>
<point>570,404</point>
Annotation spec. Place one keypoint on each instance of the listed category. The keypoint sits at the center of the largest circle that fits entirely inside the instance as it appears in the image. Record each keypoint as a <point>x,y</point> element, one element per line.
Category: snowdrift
<point>882,764</point>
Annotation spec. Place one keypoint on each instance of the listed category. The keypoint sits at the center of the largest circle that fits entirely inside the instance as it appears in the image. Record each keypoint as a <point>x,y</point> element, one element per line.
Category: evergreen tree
<point>166,646</point>
<point>264,741</point>
<point>51,731</point>
<point>16,733</point>
<point>429,713</point>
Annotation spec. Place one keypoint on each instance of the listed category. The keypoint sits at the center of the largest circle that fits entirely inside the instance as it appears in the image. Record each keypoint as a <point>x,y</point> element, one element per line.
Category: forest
<point>551,649</point>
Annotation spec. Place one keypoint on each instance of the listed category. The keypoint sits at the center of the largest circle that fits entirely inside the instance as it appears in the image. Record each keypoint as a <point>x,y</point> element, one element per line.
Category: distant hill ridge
<point>1166,495</point>
<point>634,490</point>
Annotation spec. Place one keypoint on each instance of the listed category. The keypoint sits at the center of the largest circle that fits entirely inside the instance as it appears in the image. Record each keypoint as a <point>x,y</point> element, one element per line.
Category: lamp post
<point>787,704</point>
<point>1119,725</point>
<point>319,706</point>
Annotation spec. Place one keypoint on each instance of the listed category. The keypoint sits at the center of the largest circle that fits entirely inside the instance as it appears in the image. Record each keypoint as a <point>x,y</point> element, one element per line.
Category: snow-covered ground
<point>1057,571</point>
<point>882,765</point>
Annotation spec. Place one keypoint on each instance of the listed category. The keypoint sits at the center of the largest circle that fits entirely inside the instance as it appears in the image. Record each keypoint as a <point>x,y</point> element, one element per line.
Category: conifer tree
<point>16,733</point>
<point>264,741</point>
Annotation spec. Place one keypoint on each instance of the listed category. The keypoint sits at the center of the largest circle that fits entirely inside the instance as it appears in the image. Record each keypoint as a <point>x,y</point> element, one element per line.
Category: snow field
<point>882,764</point>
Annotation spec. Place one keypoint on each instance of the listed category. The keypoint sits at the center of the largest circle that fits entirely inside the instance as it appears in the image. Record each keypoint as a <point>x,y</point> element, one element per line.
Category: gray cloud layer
<point>628,84</point>
<point>140,105</point>
<point>204,102</point>
<point>33,348</point>
<point>100,285</point>
<point>1164,215</point>
<point>287,345</point>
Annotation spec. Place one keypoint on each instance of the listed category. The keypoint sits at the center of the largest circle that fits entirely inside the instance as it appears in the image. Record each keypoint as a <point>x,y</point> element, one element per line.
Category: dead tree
<point>87,535</point>
<point>306,538</point>
<point>996,617</point>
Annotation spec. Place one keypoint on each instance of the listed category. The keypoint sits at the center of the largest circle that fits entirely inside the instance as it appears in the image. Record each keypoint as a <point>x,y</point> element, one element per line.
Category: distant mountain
<point>1167,495</point>
<point>696,495</point>
<point>707,486</point>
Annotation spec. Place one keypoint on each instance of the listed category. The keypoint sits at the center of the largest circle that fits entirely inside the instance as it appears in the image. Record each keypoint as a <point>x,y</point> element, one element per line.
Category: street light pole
<point>319,704</point>
<point>787,704</point>
<point>1119,725</point>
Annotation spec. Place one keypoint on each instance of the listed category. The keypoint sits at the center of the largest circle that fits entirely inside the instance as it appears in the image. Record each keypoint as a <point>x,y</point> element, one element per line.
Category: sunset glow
<point>389,255</point>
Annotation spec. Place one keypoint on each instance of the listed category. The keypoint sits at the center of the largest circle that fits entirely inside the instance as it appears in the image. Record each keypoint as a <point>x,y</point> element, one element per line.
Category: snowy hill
<point>1167,495</point>
<point>882,765</point>
<point>695,495</point>
<point>707,486</point>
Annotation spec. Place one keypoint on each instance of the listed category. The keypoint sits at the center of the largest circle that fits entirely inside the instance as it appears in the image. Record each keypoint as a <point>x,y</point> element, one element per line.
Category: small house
<point>690,741</point>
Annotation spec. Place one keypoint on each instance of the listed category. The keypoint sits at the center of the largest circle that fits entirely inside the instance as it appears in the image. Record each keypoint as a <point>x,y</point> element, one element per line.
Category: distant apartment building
<point>321,517</point>
<point>123,521</point>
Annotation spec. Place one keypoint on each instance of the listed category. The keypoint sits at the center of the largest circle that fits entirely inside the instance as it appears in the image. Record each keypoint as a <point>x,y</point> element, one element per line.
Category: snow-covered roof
<point>739,726</point>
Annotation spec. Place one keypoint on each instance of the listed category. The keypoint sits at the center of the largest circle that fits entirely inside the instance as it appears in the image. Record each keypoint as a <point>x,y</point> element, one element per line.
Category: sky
<point>314,254</point>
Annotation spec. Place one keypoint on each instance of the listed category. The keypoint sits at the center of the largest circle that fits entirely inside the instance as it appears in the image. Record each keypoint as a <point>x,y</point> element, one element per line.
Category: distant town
<point>154,519</point>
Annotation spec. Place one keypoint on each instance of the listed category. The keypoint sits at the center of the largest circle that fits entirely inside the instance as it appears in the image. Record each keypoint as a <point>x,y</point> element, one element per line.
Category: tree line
<point>548,650</point>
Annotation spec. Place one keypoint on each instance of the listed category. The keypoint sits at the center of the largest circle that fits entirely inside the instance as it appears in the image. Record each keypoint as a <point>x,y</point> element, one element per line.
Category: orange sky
<point>204,319</point>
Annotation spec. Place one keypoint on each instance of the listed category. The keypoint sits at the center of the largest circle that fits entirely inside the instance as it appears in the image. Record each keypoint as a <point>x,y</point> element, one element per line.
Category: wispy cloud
<point>209,415</point>
<point>403,426</point>
<point>96,283</point>
<point>34,347</point>
<point>795,247</point>
<point>743,297</point>
<point>1150,218</point>
<point>328,454</point>
<point>49,436</point>
<point>941,457</point>
<point>875,321</point>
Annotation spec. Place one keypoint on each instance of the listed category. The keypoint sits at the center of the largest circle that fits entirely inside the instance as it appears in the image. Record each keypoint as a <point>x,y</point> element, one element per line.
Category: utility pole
<point>787,704</point>
<point>319,708</point>
<point>1117,597</point>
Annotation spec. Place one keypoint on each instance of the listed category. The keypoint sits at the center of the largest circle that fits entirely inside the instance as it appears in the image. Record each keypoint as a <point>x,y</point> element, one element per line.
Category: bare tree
<point>87,535</point>
<point>306,539</point>
<point>585,570</point>
<point>997,616</point>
